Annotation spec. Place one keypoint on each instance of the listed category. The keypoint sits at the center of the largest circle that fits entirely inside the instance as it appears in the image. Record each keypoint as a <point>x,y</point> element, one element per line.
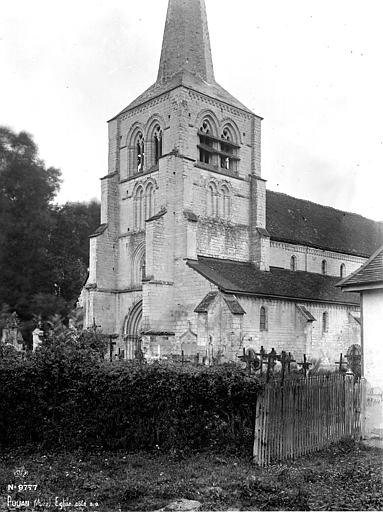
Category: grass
<point>344,477</point>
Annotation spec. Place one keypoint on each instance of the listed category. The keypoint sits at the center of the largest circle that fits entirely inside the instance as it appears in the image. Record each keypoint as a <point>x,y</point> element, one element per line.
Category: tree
<point>27,189</point>
<point>44,248</point>
<point>69,246</point>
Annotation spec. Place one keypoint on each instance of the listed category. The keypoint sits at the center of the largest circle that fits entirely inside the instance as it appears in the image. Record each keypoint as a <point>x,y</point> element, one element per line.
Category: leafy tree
<point>43,247</point>
<point>27,189</point>
<point>69,246</point>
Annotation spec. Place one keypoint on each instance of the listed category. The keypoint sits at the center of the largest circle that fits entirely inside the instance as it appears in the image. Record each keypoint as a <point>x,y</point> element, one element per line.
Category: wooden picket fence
<point>300,416</point>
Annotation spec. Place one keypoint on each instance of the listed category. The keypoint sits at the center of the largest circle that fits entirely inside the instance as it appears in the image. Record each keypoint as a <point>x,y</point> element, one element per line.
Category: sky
<point>311,69</point>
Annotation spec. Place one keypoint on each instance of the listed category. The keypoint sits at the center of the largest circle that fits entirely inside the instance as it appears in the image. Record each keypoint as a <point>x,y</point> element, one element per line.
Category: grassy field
<point>344,477</point>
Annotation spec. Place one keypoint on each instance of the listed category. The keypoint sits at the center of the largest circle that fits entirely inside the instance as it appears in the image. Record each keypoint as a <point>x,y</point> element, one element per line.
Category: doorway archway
<point>132,331</point>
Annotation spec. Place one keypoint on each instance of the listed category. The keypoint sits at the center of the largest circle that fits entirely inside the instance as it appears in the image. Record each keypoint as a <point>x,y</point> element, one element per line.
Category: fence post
<point>258,429</point>
<point>363,405</point>
<point>349,399</point>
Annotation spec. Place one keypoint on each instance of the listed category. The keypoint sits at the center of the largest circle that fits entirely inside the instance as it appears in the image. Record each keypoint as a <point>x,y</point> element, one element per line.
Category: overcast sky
<point>312,69</point>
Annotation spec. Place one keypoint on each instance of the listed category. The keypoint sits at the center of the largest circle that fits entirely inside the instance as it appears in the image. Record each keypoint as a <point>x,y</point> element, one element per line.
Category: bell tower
<point>184,180</point>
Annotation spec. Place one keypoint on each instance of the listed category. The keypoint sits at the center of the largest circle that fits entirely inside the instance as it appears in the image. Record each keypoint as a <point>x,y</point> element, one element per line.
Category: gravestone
<point>188,341</point>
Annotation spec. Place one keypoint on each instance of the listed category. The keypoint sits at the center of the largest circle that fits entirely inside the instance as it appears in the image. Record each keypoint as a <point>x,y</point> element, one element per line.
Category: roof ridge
<point>324,206</point>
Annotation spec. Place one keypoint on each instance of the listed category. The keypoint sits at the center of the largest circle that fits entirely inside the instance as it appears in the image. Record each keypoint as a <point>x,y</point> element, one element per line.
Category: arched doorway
<point>132,331</point>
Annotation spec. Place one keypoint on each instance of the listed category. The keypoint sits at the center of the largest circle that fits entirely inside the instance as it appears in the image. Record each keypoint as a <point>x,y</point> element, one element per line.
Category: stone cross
<point>341,364</point>
<point>305,365</point>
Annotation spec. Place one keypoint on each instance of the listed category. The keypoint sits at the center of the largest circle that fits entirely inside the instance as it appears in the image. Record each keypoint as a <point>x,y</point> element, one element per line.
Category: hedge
<point>63,399</point>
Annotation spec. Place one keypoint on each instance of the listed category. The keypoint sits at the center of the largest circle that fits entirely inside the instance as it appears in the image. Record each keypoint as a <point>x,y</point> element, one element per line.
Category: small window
<point>157,144</point>
<point>325,322</point>
<point>263,319</point>
<point>342,270</point>
<point>149,201</point>
<point>205,143</point>
<point>140,152</point>
<point>293,263</point>
<point>226,206</point>
<point>324,267</point>
<point>228,151</point>
<point>139,208</point>
<point>213,200</point>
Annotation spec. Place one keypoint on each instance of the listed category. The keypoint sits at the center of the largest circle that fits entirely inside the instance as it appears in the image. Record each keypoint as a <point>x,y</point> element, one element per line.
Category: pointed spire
<point>186,56</point>
<point>186,43</point>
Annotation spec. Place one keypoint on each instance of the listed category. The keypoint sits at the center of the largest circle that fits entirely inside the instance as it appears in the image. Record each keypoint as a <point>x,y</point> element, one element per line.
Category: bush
<point>67,396</point>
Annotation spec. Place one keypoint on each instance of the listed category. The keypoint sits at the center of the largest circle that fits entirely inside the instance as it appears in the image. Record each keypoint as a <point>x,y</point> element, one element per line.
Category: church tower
<point>184,182</point>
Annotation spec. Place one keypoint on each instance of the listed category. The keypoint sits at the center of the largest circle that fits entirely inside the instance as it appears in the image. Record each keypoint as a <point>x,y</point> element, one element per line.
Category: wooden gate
<point>300,416</point>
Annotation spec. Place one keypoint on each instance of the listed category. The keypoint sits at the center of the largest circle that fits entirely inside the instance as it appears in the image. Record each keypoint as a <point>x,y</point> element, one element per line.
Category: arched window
<point>142,267</point>
<point>293,263</point>
<point>226,206</point>
<point>157,139</point>
<point>324,267</point>
<point>212,200</point>
<point>139,152</point>
<point>325,322</point>
<point>263,319</point>
<point>342,270</point>
<point>228,150</point>
<point>206,143</point>
<point>149,201</point>
<point>139,208</point>
<point>138,265</point>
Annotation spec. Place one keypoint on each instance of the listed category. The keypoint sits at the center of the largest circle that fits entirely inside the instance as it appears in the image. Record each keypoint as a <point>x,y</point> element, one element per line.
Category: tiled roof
<point>233,304</point>
<point>246,279</point>
<point>306,313</point>
<point>302,222</point>
<point>371,272</point>
<point>230,300</point>
<point>206,302</point>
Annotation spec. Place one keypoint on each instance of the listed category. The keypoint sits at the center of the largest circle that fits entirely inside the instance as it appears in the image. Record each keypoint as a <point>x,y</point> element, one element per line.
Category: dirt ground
<point>344,477</point>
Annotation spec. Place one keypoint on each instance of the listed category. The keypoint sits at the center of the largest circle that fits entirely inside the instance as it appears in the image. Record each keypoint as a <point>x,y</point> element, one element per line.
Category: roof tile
<point>246,279</point>
<point>302,222</point>
<point>371,272</point>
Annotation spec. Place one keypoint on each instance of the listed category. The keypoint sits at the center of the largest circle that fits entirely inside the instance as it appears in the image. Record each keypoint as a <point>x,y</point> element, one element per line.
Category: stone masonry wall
<point>310,259</point>
<point>288,330</point>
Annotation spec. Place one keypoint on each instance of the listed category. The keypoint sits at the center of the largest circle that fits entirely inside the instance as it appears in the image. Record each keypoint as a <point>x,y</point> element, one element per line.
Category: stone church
<point>193,253</point>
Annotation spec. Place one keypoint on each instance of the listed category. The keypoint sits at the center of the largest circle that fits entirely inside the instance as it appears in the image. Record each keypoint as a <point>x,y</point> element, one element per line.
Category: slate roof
<point>245,279</point>
<point>233,304</point>
<point>306,313</point>
<point>298,221</point>
<point>371,272</point>
<point>230,300</point>
<point>206,302</point>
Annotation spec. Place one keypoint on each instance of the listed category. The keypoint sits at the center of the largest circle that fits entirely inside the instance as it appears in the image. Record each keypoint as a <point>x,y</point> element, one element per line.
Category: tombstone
<point>37,335</point>
<point>354,359</point>
<point>188,342</point>
<point>11,334</point>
